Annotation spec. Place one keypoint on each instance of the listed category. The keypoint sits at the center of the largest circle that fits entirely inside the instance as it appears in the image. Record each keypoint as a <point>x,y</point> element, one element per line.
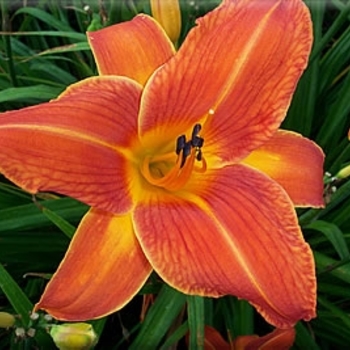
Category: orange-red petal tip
<point>103,269</point>
<point>296,163</point>
<point>134,49</point>
<point>281,339</point>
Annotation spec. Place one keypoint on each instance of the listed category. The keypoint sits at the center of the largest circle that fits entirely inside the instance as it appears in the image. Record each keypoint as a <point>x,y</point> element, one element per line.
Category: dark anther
<point>180,144</point>
<point>186,147</point>
<point>197,142</point>
<point>186,152</point>
<point>196,129</point>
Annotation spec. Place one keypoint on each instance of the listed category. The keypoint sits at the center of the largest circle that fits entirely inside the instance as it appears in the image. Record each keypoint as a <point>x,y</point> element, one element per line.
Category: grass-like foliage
<point>43,49</point>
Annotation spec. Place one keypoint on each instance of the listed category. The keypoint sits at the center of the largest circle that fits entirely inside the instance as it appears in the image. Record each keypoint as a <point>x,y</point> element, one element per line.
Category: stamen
<point>195,142</point>
<point>186,150</point>
<point>196,129</point>
<point>180,144</point>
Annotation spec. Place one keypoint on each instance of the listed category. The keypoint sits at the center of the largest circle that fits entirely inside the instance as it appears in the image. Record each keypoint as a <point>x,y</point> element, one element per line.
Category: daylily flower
<point>281,339</point>
<point>179,156</point>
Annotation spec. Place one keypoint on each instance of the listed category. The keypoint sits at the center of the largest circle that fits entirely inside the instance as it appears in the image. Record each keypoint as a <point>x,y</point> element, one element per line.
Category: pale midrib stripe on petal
<point>75,135</point>
<point>246,52</point>
<point>236,252</point>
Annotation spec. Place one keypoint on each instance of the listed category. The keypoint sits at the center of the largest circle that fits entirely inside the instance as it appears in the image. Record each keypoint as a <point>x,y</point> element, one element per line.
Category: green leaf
<point>15,295</point>
<point>28,216</point>
<point>61,223</point>
<point>159,319</point>
<point>175,337</point>
<point>338,269</point>
<point>303,339</point>
<point>333,234</point>
<point>335,311</point>
<point>46,17</point>
<point>83,46</point>
<point>332,31</point>
<point>338,200</point>
<point>50,71</point>
<point>302,110</point>
<point>36,92</point>
<point>195,311</point>
<point>339,111</point>
<point>54,33</point>
<point>238,316</point>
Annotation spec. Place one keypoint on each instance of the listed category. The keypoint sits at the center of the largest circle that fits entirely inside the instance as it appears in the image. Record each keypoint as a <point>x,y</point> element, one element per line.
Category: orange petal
<point>75,145</point>
<point>281,339</point>
<point>235,232</point>
<point>134,49</point>
<point>214,341</point>
<point>294,162</point>
<point>235,73</point>
<point>103,269</point>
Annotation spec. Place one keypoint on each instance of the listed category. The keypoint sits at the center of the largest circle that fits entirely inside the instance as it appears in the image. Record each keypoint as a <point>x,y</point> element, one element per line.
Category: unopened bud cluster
<point>74,336</point>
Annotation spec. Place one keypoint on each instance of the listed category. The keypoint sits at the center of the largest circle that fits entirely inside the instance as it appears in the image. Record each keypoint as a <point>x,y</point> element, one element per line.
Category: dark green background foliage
<point>43,48</point>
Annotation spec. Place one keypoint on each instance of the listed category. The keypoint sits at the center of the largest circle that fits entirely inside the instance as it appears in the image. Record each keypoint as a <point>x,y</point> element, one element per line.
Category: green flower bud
<point>343,173</point>
<point>6,320</point>
<point>73,336</point>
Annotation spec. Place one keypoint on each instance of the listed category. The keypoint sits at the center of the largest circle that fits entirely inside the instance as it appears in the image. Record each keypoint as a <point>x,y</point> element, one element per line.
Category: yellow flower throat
<point>162,171</point>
